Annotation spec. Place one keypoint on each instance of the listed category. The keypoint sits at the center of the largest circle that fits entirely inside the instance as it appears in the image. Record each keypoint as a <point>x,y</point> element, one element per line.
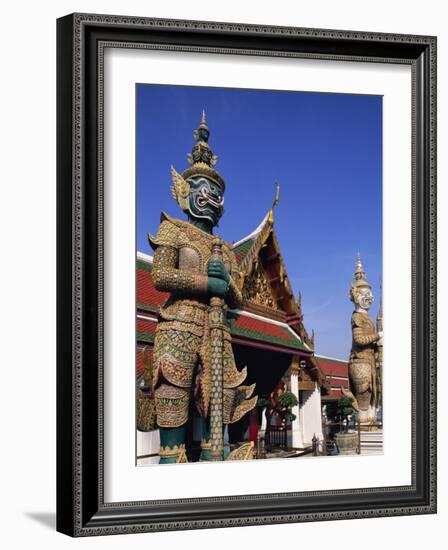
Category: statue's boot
<point>205,451</point>
<point>172,445</point>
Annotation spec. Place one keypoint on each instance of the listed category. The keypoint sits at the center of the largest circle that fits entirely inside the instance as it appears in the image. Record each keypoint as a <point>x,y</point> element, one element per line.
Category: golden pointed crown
<point>359,274</point>
<point>360,277</point>
<point>202,158</point>
<point>202,161</point>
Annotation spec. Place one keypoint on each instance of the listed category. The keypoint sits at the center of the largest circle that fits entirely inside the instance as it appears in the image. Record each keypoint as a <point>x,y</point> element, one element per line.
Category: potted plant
<point>343,411</point>
<point>346,440</point>
<point>286,401</point>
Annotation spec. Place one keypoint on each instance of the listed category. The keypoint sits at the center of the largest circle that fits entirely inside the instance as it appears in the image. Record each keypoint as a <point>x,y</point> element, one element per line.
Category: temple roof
<point>262,247</point>
<point>243,246</point>
<point>146,329</point>
<point>271,317</point>
<point>266,330</point>
<point>245,325</point>
<point>148,297</point>
<point>336,374</point>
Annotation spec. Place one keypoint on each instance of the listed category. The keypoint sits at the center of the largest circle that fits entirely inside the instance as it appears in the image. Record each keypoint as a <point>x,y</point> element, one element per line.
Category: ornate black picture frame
<point>81,510</point>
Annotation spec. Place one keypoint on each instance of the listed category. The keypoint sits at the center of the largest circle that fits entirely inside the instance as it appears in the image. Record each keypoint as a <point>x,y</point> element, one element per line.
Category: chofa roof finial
<point>274,204</point>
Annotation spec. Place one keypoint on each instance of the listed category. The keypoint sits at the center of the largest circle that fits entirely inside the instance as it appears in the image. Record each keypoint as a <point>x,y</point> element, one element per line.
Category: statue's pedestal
<point>367,420</point>
<point>369,426</point>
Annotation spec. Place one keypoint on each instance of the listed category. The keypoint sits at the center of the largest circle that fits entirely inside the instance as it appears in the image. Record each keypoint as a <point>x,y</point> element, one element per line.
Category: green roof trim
<point>144,265</point>
<point>290,343</point>
<point>237,331</point>
<point>242,249</point>
<point>145,337</point>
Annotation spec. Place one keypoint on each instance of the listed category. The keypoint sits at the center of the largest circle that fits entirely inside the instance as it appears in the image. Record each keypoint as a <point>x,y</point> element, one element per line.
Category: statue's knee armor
<point>175,372</point>
<point>175,359</point>
<point>361,378</point>
<point>171,405</point>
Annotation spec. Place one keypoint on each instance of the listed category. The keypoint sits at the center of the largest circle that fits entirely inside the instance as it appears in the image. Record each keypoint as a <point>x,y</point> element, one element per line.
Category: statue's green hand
<point>217,287</point>
<point>217,269</point>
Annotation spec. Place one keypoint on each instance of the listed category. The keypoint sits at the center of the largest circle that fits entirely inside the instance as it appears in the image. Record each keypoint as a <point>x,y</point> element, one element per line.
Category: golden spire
<point>203,120</point>
<point>201,135</point>
<point>359,274</point>
<point>202,159</point>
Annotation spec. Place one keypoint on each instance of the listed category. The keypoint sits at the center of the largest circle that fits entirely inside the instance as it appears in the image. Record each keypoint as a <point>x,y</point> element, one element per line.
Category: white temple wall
<point>297,437</point>
<point>311,415</point>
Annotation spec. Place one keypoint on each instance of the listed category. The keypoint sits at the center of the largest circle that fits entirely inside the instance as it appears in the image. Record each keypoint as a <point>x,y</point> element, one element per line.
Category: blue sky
<point>326,152</point>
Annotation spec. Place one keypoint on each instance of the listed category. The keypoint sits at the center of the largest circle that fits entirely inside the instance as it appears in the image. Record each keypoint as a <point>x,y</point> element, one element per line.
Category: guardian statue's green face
<point>206,199</point>
<point>199,190</point>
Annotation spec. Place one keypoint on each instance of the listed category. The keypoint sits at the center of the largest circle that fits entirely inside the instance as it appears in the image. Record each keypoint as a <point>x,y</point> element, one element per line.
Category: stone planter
<point>347,443</point>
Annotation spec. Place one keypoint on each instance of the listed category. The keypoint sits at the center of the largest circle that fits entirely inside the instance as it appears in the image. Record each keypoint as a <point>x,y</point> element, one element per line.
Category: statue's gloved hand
<point>217,269</point>
<point>217,287</point>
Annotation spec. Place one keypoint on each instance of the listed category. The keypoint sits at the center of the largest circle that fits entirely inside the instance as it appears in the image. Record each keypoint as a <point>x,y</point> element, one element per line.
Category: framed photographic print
<point>246,274</point>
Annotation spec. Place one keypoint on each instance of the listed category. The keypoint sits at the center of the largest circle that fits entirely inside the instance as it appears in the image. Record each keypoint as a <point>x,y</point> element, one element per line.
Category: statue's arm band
<point>364,339</point>
<point>168,278</point>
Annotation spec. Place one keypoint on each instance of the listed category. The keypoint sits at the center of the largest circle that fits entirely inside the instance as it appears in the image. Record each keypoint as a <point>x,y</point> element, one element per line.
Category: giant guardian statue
<point>194,365</point>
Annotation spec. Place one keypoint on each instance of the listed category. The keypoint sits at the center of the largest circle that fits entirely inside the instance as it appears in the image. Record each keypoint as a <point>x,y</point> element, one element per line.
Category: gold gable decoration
<point>306,381</point>
<point>295,365</point>
<point>257,289</point>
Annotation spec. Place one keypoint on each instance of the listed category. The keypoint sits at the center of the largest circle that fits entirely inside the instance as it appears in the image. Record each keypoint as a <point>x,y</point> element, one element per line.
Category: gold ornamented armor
<point>362,362</point>
<point>362,366</point>
<point>182,343</point>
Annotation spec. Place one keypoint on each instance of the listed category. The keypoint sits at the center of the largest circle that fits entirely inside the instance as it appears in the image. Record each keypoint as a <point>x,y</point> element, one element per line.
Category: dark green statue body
<point>193,357</point>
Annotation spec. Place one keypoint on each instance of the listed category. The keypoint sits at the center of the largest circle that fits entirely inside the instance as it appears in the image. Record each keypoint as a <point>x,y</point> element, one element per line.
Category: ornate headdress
<point>202,161</point>
<point>360,279</point>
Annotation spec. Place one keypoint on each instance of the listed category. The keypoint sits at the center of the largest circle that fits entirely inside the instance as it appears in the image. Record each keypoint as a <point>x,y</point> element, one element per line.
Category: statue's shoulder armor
<point>357,319</point>
<point>180,234</point>
<point>168,234</point>
<point>361,320</point>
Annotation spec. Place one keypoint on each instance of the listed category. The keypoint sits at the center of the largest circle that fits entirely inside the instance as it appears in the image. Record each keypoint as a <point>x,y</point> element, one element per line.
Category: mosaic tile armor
<point>362,364</point>
<point>182,342</point>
